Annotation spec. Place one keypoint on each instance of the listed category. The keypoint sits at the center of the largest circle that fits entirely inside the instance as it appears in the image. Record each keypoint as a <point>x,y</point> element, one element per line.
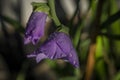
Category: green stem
<point>53,13</point>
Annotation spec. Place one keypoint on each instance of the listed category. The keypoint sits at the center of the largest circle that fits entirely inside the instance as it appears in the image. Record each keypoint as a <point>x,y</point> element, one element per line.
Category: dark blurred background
<point>94,29</point>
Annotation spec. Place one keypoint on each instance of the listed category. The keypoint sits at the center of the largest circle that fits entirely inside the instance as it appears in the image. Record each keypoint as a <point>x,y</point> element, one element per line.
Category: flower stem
<point>53,13</point>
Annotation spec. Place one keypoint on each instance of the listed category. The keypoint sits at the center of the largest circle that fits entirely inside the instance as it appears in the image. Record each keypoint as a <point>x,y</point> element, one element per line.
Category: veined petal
<point>59,54</point>
<point>64,42</point>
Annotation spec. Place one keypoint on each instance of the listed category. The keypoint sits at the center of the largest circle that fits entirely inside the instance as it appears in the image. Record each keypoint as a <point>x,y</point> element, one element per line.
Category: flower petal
<point>59,54</point>
<point>38,32</point>
<point>27,40</point>
<point>72,58</point>
<point>48,48</point>
<point>35,27</point>
<point>64,42</point>
<point>31,23</point>
<point>58,46</point>
<point>40,57</point>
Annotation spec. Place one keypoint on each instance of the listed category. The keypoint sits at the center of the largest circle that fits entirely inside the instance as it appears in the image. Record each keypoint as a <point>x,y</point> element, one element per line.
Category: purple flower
<point>58,46</point>
<point>35,27</point>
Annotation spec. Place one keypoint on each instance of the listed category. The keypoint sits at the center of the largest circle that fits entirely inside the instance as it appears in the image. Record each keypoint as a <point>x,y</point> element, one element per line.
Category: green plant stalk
<point>53,13</point>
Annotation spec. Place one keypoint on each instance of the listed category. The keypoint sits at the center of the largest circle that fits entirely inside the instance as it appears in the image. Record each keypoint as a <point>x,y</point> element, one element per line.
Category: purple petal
<point>27,40</point>
<point>35,27</point>
<point>58,46</point>
<point>40,57</point>
<point>59,53</point>
<point>72,58</point>
<point>64,42</point>
<point>39,31</point>
<point>48,48</point>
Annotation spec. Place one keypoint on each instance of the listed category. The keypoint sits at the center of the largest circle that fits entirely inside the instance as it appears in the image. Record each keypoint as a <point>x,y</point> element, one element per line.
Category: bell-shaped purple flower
<point>58,46</point>
<point>35,27</point>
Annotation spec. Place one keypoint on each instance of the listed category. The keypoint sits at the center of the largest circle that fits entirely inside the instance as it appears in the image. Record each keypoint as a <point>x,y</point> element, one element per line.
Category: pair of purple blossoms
<point>57,46</point>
